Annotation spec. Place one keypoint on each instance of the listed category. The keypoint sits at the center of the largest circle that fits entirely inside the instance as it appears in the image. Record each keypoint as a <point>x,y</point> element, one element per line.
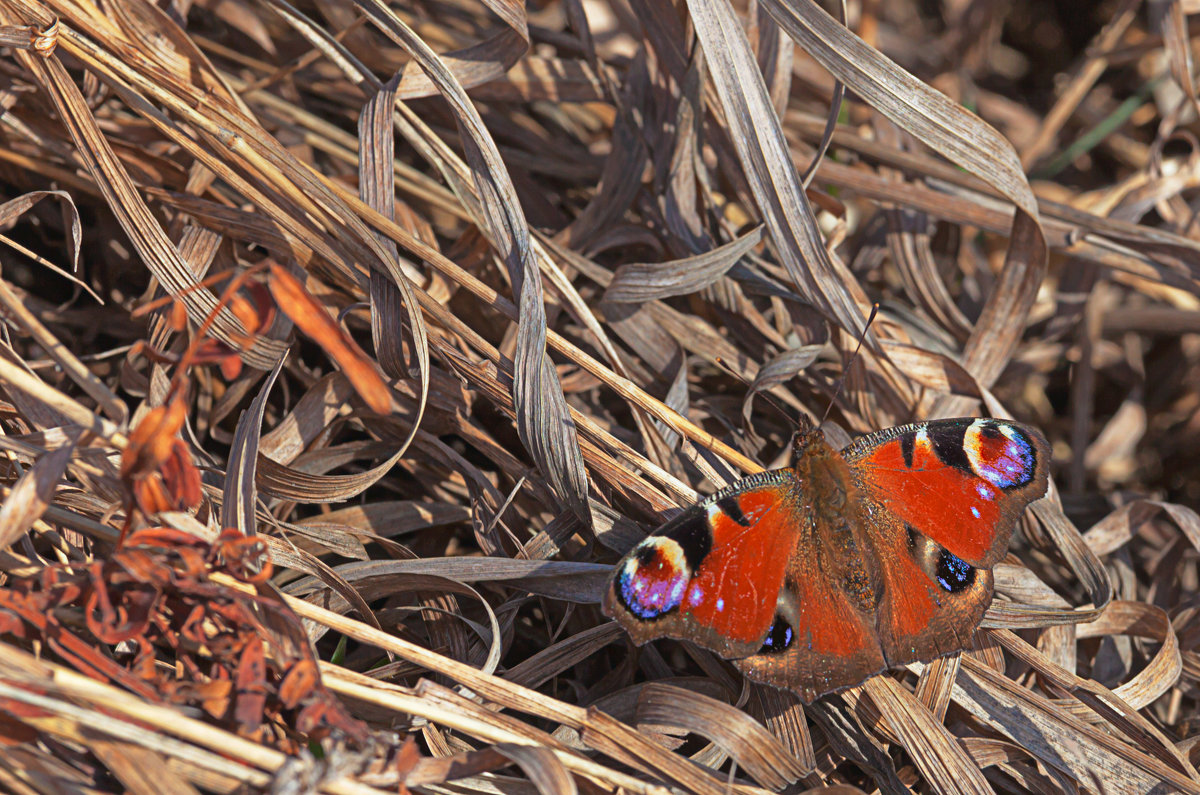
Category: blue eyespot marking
<point>652,581</point>
<point>1000,454</point>
<point>783,642</point>
<point>779,637</point>
<point>953,573</point>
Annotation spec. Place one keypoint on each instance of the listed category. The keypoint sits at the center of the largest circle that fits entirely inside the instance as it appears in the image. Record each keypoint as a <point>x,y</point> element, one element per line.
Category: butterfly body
<point>815,578</point>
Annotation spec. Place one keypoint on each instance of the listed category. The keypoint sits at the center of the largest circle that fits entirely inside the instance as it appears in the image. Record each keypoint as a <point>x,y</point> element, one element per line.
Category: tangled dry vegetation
<point>347,346</point>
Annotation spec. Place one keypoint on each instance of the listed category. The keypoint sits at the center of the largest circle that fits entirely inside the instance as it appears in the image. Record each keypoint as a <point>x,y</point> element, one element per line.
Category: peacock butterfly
<point>816,578</point>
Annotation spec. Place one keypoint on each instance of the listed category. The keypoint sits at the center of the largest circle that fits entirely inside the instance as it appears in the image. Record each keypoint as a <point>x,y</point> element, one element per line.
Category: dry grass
<point>445,344</point>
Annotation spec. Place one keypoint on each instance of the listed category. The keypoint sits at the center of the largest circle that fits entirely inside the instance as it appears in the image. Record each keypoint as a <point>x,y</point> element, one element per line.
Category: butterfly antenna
<point>837,390</point>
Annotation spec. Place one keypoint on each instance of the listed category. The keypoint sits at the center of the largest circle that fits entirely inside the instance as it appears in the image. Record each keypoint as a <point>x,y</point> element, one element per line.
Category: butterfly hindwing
<point>822,638</point>
<point>944,498</point>
<point>713,573</point>
<point>931,600</point>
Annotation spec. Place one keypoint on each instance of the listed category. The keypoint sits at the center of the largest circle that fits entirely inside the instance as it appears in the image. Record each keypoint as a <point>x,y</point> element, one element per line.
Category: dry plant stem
<point>497,689</point>
<point>62,355</point>
<point>328,138</point>
<point>64,178</point>
<point>339,680</point>
<point>1077,90</point>
<point>1063,231</point>
<point>450,322</point>
<point>69,722</point>
<point>197,742</point>
<point>501,691</point>
<point>13,376</point>
<point>1068,230</point>
<point>1064,236</point>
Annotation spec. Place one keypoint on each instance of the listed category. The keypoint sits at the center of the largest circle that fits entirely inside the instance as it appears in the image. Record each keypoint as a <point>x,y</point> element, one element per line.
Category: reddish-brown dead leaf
<point>312,319</point>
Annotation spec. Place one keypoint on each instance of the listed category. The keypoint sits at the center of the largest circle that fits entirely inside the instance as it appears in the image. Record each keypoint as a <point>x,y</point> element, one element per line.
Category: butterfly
<point>816,578</point>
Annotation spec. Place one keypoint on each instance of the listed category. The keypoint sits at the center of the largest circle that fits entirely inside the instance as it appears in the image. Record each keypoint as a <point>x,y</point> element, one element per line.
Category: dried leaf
<point>639,282</point>
<point>312,319</point>
<point>34,491</point>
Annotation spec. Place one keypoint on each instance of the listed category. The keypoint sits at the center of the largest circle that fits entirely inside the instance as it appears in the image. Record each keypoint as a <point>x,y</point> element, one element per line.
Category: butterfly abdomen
<point>844,553</point>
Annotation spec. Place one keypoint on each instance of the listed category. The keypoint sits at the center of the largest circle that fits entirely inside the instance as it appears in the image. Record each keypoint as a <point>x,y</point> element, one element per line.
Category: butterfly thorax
<point>844,550</point>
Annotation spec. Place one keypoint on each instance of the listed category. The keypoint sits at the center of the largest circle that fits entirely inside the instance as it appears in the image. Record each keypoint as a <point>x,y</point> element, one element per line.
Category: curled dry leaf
<point>158,590</point>
<point>156,466</point>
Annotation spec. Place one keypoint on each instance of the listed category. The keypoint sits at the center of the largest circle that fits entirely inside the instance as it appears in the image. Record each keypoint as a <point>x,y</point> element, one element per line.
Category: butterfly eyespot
<point>653,580</point>
<point>954,574</point>
<point>779,638</point>
<point>1000,454</point>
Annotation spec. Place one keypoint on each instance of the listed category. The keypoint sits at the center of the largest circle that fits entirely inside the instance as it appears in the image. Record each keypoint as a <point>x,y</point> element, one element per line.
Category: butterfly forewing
<point>962,483</point>
<point>713,573</point>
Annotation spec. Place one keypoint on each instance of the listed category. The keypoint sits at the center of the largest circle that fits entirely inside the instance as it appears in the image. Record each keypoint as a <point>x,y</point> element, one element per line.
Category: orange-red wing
<point>735,588</point>
<point>713,573</point>
<point>962,483</point>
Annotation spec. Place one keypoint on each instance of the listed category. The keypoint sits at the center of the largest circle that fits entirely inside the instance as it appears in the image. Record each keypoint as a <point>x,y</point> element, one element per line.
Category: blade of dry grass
<point>543,421</point>
<point>962,138</point>
<point>757,752</point>
<point>240,496</point>
<point>34,491</point>
<point>640,282</point>
<point>762,150</point>
<point>932,747</point>
<point>1055,739</point>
